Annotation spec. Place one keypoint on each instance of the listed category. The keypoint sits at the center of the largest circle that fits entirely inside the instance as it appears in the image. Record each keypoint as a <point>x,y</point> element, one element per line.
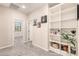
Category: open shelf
<point>55,24</point>
<point>68,9</point>
<point>54,50</point>
<point>69,23</point>
<point>68,6</point>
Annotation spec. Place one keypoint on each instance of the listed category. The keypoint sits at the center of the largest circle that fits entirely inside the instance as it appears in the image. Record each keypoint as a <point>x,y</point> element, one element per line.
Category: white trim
<point>6,46</point>
<point>40,47</point>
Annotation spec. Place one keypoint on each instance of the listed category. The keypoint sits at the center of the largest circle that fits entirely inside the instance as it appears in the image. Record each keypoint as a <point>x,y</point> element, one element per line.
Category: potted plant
<point>71,39</point>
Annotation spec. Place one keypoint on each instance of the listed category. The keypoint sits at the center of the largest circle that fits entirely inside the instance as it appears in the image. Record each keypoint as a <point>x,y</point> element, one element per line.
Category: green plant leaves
<point>69,37</point>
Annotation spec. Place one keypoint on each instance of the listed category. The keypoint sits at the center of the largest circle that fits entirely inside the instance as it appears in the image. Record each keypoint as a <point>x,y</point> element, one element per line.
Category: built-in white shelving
<point>62,21</point>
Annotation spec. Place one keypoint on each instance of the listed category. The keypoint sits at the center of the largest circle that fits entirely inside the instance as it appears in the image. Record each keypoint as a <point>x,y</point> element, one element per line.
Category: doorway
<point>19,32</point>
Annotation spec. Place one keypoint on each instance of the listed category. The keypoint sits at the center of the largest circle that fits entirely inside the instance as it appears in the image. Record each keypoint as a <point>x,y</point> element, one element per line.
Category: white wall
<point>39,36</point>
<point>7,20</point>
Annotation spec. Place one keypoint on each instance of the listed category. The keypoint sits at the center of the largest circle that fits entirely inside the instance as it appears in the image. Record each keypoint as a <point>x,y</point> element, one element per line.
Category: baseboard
<point>40,47</point>
<point>6,46</point>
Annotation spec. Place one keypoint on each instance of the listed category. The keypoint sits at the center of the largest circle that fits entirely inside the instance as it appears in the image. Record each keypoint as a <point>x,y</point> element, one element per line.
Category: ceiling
<point>26,7</point>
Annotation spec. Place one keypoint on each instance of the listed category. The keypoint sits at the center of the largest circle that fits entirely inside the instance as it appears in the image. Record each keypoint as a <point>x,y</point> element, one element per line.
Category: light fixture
<point>23,6</point>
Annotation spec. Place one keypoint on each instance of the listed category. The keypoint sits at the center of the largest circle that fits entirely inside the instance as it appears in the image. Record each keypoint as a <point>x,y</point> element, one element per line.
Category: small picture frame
<point>55,45</point>
<point>73,50</point>
<point>44,19</point>
<point>39,24</point>
<point>64,47</point>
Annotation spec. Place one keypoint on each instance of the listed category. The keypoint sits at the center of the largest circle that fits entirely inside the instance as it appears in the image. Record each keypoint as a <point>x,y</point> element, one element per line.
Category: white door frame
<point>23,32</point>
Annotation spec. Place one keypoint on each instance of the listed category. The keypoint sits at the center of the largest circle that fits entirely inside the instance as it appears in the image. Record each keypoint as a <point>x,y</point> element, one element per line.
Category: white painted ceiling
<point>29,7</point>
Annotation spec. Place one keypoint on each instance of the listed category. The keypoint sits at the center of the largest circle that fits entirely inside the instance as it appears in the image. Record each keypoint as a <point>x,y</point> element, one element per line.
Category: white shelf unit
<point>69,23</point>
<point>54,14</point>
<point>68,16</point>
<point>62,16</point>
<point>55,25</point>
<point>54,50</point>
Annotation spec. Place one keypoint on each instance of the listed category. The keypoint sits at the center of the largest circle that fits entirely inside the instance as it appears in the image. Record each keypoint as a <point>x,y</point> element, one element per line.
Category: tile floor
<point>27,49</point>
